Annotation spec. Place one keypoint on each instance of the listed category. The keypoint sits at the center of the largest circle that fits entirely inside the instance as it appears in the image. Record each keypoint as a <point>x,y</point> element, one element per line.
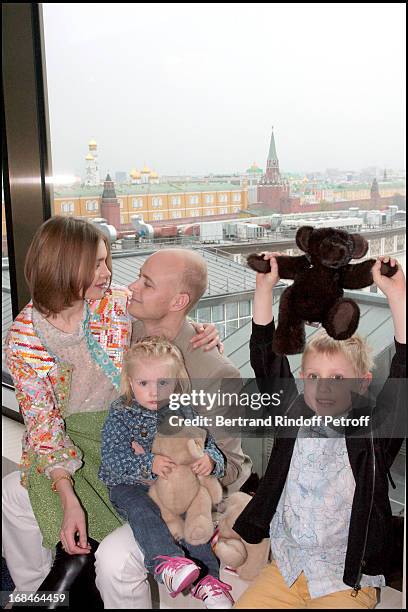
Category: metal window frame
<point>26,137</point>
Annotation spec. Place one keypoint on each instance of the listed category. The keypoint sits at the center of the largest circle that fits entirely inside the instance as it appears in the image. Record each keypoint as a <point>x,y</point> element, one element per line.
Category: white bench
<point>12,433</point>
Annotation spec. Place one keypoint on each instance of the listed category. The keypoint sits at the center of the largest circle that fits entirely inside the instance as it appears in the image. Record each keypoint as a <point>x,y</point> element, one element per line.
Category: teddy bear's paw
<point>231,552</point>
<point>200,532</point>
<point>342,319</point>
<point>176,528</point>
<point>388,270</point>
<point>258,263</point>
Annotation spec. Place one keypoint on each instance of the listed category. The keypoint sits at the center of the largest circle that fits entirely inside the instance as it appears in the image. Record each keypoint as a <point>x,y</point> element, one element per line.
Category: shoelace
<point>213,586</point>
<point>172,564</point>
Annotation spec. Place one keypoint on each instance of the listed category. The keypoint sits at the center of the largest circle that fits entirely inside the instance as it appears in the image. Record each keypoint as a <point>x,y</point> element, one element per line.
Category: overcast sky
<point>196,88</point>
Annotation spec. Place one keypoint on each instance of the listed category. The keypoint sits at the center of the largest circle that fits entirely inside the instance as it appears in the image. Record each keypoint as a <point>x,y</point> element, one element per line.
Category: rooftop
<point>160,188</point>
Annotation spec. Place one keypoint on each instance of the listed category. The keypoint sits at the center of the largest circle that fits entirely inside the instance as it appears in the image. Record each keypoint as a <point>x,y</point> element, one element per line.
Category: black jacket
<point>370,532</point>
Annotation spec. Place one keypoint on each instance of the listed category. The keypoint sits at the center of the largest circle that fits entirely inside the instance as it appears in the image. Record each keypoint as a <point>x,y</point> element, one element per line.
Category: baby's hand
<point>139,450</point>
<point>203,466</point>
<point>162,466</point>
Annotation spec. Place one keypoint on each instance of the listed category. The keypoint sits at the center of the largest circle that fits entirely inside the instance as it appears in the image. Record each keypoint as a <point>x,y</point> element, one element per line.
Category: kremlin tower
<point>273,191</point>
<point>110,207</point>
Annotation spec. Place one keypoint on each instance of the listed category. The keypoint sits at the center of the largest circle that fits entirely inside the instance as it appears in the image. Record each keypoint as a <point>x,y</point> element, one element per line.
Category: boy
<point>324,498</point>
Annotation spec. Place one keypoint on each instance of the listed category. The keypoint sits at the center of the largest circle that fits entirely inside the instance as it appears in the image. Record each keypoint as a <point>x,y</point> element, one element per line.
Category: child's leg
<point>270,592</point>
<point>150,531</point>
<point>203,556</point>
<point>345,600</point>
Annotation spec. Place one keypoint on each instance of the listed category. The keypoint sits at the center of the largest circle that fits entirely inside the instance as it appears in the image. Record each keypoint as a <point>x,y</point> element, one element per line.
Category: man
<point>170,284</point>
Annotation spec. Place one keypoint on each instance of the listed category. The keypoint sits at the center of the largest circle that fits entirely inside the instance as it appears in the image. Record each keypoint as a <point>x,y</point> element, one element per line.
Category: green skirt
<point>85,431</point>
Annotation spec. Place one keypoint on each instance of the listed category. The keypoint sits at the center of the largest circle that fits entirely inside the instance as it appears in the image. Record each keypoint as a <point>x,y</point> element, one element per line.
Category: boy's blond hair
<point>355,349</point>
<point>154,348</point>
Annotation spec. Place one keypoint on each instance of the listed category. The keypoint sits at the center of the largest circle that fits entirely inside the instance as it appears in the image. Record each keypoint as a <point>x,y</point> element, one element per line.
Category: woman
<point>64,352</point>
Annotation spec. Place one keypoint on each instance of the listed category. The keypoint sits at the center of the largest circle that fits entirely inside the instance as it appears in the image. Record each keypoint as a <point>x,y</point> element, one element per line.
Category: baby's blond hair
<point>355,349</point>
<point>154,348</point>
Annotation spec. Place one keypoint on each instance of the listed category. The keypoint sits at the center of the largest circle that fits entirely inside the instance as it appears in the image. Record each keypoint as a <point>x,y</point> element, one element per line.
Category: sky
<point>195,88</point>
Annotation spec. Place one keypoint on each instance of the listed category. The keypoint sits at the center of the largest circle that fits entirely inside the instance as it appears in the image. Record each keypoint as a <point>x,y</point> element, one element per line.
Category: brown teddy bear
<point>182,492</point>
<point>245,559</point>
<point>319,279</point>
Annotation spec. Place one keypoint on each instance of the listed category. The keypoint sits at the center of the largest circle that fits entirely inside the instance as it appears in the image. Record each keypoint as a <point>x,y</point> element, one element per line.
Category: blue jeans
<point>152,534</point>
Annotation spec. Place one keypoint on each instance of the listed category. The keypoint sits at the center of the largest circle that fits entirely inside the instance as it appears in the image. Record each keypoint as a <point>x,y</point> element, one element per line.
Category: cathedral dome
<point>89,157</point>
<point>154,175</point>
<point>145,170</point>
<point>134,174</point>
<point>92,143</point>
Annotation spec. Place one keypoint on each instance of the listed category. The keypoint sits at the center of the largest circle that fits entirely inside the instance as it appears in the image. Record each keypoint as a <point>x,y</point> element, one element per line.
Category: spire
<point>108,189</point>
<point>272,174</point>
<point>272,149</point>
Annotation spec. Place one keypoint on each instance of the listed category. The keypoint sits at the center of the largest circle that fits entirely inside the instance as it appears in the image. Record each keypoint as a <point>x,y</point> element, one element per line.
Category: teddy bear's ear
<point>360,246</point>
<point>302,237</point>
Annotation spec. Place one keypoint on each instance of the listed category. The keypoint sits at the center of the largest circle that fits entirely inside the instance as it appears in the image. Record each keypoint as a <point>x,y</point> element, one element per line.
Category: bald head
<point>188,270</point>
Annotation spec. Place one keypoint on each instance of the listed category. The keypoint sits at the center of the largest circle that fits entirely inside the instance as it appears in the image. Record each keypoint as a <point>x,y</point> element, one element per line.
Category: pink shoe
<point>213,593</point>
<point>177,573</point>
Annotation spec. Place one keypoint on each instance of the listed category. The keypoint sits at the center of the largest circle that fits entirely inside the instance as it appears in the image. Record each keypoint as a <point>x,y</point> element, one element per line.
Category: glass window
<point>137,203</point>
<point>157,202</point>
<point>223,210</point>
<point>244,321</point>
<point>232,311</point>
<point>223,197</point>
<point>244,308</point>
<point>158,216</point>
<point>236,197</point>
<point>221,330</point>
<point>67,207</point>
<point>92,205</point>
<point>204,314</point>
<point>176,200</point>
<point>209,199</point>
<point>230,327</point>
<point>194,199</point>
<point>218,313</point>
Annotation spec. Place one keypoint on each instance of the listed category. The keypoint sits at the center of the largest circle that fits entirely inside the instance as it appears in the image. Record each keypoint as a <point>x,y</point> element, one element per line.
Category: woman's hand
<point>207,336</point>
<point>74,523</point>
<point>203,466</point>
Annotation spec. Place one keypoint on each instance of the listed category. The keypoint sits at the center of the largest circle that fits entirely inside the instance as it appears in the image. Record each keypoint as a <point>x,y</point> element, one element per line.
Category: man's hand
<point>162,466</point>
<point>203,466</point>
<point>207,336</point>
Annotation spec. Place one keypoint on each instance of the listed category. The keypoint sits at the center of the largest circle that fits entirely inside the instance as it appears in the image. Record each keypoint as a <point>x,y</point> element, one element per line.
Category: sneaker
<point>177,573</point>
<point>213,593</point>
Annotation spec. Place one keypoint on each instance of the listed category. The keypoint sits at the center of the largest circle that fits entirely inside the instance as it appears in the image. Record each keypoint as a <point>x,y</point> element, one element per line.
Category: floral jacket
<point>42,381</point>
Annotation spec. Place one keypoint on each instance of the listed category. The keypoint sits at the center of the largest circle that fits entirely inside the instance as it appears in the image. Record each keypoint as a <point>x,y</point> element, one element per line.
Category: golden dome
<point>92,143</point>
<point>89,157</point>
<point>154,175</point>
<point>135,174</point>
<point>145,170</point>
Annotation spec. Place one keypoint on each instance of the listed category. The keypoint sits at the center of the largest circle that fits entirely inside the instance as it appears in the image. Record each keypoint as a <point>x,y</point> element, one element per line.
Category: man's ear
<point>360,246</point>
<point>302,237</point>
<point>180,302</point>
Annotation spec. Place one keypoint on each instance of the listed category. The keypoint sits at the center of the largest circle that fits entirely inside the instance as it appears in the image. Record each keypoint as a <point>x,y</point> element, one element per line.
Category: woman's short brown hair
<point>60,263</point>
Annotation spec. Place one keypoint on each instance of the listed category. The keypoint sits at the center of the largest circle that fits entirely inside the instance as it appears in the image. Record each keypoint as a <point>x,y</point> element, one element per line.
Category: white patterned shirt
<point>309,531</point>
